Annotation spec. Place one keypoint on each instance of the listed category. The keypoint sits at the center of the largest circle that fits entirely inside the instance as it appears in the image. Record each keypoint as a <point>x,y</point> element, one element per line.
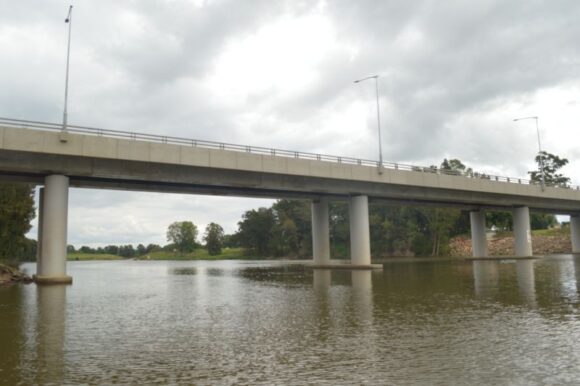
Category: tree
<point>152,248</point>
<point>214,238</point>
<point>293,228</point>
<point>551,164</point>
<point>126,251</point>
<point>141,250</point>
<point>182,235</point>
<point>255,231</point>
<point>16,212</point>
<point>542,220</point>
<point>112,249</point>
<point>455,166</point>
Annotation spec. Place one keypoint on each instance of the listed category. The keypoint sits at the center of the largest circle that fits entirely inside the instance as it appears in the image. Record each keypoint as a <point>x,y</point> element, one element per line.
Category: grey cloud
<point>447,70</point>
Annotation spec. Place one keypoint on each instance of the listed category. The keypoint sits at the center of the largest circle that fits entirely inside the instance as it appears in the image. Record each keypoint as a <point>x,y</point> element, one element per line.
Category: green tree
<point>455,166</point>
<point>503,221</point>
<point>214,238</point>
<point>293,228</point>
<point>16,212</point>
<point>126,251</point>
<point>255,231</point>
<point>542,220</point>
<point>152,248</point>
<point>141,250</point>
<point>551,164</point>
<point>182,235</point>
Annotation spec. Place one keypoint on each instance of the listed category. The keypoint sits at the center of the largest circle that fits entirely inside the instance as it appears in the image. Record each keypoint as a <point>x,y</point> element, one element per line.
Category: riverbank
<point>198,254</point>
<point>545,242</point>
<point>11,275</point>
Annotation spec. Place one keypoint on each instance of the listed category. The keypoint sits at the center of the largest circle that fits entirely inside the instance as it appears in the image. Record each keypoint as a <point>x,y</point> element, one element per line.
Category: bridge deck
<point>103,159</point>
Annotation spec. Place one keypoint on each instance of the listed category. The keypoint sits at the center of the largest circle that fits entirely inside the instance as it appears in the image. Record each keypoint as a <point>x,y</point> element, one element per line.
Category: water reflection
<point>183,271</point>
<point>12,340</point>
<point>51,303</point>
<point>576,259</point>
<point>264,323</point>
<point>362,291</point>
<point>526,280</point>
<point>321,280</point>
<point>486,277</point>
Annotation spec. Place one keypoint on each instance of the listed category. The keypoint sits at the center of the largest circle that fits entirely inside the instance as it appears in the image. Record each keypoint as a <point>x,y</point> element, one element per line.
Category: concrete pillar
<point>478,237</point>
<point>39,234</point>
<point>54,231</point>
<point>360,242</point>
<point>320,232</point>
<point>522,231</point>
<point>575,233</point>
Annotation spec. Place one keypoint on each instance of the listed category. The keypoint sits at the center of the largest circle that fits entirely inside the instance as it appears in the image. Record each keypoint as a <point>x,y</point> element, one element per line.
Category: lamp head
<point>67,20</point>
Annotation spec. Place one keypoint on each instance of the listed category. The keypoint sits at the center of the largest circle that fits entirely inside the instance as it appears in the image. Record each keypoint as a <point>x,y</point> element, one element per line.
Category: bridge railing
<point>9,122</point>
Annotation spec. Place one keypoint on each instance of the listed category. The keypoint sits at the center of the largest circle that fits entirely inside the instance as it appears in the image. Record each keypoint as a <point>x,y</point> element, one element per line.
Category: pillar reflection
<point>576,260</point>
<point>526,280</point>
<point>51,330</point>
<point>362,290</point>
<point>321,281</point>
<point>486,277</point>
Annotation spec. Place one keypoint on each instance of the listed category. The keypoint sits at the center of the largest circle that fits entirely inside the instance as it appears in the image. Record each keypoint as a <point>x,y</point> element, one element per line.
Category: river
<point>264,323</point>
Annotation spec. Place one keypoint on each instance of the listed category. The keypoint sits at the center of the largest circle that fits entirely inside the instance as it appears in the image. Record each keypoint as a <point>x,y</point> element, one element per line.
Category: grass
<point>91,256</point>
<point>198,254</point>
<point>564,231</point>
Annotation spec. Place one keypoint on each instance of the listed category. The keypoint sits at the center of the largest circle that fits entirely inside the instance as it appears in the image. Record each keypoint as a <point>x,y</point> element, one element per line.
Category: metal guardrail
<point>20,123</point>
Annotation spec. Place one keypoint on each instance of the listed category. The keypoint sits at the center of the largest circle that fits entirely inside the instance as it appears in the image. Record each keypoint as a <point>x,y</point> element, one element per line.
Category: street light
<point>68,20</point>
<point>539,148</point>
<point>376,78</point>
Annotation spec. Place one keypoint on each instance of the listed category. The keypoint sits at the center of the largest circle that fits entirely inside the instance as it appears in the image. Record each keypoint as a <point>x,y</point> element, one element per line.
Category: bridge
<point>42,153</point>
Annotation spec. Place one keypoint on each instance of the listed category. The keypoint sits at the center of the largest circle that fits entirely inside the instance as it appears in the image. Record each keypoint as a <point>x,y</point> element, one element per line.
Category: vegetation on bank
<point>80,256</point>
<point>196,254</point>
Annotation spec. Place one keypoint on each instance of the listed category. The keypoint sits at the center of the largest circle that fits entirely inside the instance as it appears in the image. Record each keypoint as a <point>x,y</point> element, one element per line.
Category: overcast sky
<point>453,76</point>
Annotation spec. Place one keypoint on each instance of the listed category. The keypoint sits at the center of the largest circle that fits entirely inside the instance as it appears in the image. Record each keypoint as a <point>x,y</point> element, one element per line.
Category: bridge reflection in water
<point>203,322</point>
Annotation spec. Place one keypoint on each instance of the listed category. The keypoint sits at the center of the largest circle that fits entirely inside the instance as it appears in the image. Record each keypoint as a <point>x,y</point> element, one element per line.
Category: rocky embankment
<point>505,245</point>
<point>9,275</point>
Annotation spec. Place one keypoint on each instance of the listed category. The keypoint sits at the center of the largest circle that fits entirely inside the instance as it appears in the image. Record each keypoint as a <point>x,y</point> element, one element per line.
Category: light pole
<point>539,148</point>
<point>376,78</point>
<point>68,20</point>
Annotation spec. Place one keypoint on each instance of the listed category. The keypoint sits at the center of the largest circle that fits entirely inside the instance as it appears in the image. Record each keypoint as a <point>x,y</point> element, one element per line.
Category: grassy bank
<point>198,254</point>
<point>79,256</point>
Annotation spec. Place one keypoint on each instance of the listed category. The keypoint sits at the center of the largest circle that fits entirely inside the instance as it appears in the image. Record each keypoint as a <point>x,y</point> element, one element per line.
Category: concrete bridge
<point>41,153</point>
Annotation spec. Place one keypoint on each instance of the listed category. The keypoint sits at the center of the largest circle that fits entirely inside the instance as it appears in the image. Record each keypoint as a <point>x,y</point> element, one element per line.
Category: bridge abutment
<point>478,236</point>
<point>575,233</point>
<point>320,232</point>
<point>360,242</point>
<point>522,231</point>
<point>53,232</point>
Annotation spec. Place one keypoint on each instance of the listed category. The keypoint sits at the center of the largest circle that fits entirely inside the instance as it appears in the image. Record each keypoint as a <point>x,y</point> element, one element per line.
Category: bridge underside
<point>97,173</point>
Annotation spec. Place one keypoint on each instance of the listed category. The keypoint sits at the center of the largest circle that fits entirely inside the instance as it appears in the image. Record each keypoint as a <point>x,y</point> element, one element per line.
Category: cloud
<point>453,75</point>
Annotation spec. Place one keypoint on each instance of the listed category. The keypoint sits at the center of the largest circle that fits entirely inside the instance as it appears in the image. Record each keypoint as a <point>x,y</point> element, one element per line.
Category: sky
<point>452,77</point>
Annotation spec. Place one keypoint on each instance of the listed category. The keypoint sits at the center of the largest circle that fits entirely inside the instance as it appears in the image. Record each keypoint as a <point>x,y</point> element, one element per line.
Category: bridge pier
<point>39,227</point>
<point>522,231</point>
<point>360,241</point>
<point>478,236</point>
<point>575,233</point>
<point>320,232</point>
<point>53,232</point>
